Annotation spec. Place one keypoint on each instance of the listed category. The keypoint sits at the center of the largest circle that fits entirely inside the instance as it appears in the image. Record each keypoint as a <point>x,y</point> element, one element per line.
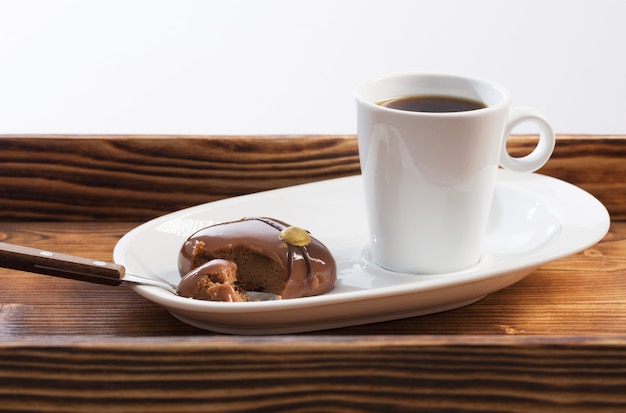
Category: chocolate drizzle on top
<point>291,248</point>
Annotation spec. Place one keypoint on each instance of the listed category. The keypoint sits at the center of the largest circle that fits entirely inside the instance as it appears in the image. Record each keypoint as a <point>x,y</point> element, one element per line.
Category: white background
<point>289,66</point>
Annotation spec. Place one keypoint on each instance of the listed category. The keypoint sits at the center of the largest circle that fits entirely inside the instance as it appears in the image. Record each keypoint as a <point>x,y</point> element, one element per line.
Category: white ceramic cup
<point>429,178</point>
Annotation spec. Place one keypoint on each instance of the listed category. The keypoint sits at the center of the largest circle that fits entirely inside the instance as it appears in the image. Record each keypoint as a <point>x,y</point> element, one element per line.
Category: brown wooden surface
<point>136,178</point>
<point>140,177</point>
<point>555,341</point>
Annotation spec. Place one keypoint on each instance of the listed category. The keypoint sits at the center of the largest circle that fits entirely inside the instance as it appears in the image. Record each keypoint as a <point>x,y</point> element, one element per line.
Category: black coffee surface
<point>432,104</point>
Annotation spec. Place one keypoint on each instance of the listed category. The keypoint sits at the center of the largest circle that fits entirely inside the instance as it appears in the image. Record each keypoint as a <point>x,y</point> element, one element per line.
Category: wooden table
<point>554,341</point>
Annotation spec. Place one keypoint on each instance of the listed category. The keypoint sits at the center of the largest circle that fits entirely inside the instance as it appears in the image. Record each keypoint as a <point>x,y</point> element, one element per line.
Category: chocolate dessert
<point>215,280</point>
<point>269,255</point>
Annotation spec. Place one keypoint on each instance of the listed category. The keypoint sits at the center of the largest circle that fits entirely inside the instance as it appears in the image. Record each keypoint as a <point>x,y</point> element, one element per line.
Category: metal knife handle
<point>60,265</point>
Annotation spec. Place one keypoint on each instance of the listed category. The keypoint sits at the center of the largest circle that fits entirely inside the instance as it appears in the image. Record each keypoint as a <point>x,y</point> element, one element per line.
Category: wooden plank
<point>135,178</point>
<point>583,295</point>
<point>340,374</point>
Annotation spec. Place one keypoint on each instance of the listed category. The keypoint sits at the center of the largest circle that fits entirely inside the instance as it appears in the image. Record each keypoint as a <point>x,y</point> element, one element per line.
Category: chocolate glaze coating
<point>304,270</point>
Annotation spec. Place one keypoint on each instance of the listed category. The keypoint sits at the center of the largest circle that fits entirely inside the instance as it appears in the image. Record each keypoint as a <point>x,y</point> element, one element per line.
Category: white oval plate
<point>534,220</point>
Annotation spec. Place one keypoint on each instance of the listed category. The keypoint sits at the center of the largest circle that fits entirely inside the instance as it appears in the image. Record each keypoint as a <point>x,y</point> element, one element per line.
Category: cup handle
<point>542,152</point>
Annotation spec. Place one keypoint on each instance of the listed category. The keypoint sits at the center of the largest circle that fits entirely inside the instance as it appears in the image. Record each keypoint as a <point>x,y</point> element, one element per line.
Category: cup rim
<point>504,101</point>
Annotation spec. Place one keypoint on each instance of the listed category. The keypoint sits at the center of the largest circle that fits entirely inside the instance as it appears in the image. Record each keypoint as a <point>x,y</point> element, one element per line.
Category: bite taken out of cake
<point>223,261</point>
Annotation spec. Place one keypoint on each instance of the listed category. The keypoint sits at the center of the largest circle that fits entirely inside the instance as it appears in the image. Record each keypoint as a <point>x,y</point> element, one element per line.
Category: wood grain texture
<point>555,341</point>
<point>583,294</point>
<point>338,375</point>
<point>140,177</point>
